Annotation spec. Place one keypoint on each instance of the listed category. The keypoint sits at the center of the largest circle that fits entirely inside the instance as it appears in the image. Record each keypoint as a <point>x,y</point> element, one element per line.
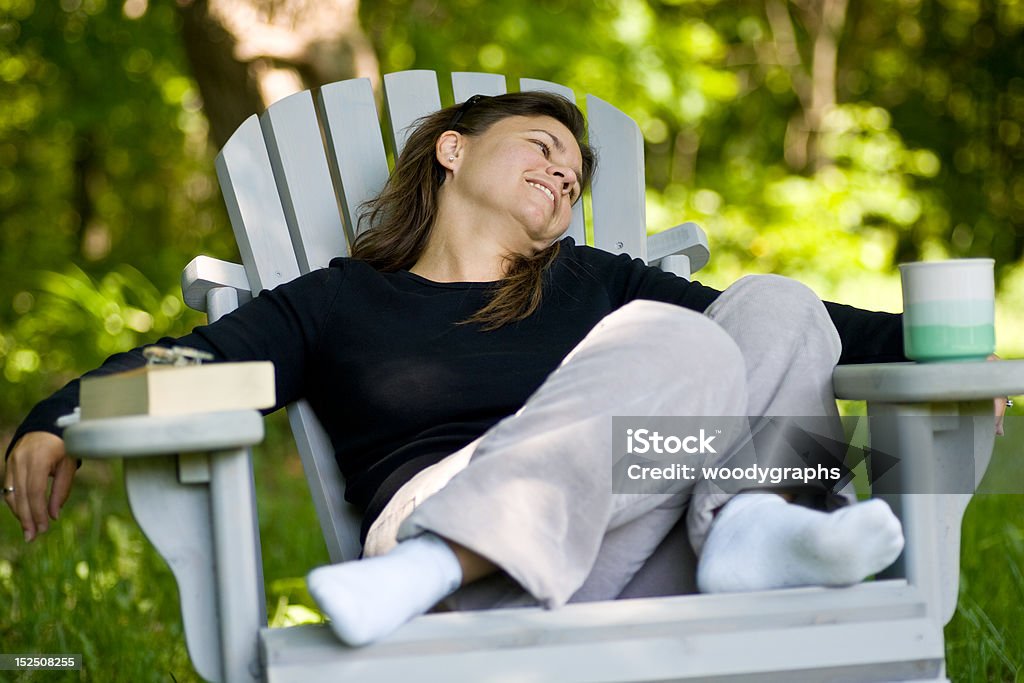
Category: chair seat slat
<point>793,635</point>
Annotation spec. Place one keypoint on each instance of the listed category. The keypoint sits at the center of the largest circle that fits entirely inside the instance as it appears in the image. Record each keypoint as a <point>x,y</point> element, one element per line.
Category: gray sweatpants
<point>534,494</point>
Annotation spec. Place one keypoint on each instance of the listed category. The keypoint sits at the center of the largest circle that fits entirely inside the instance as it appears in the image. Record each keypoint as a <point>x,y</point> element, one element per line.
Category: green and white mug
<point>948,309</point>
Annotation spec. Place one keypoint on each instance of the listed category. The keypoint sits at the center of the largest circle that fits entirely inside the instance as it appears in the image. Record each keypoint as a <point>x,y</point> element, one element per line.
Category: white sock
<point>758,541</point>
<point>370,598</point>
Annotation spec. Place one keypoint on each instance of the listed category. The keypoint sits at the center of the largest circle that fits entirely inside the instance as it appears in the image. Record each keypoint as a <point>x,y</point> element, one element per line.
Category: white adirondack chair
<point>189,479</point>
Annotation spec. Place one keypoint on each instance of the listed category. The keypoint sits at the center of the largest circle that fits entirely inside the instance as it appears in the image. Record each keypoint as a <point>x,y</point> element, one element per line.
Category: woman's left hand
<point>1000,406</point>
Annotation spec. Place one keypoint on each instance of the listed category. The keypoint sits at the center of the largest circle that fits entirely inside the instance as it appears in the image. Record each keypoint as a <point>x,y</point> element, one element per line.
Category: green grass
<point>93,585</point>
<point>985,639</point>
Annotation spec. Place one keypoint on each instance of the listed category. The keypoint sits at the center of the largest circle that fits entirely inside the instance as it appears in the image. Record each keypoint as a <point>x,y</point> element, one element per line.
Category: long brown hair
<point>401,216</point>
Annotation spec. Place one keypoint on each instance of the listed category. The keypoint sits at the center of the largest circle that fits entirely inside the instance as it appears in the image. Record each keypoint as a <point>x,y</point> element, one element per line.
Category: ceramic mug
<point>948,309</point>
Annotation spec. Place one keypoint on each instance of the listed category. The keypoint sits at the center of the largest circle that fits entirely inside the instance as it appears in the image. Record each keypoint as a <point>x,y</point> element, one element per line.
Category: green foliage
<point>67,321</point>
<point>92,586</point>
<point>921,157</point>
<point>950,75</point>
<point>103,162</point>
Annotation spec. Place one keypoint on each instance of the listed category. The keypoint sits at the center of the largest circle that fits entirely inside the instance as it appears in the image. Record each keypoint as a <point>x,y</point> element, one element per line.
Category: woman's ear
<point>448,148</point>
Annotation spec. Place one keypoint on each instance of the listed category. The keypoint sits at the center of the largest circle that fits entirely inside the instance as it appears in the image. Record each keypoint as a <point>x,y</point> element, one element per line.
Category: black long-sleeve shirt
<point>399,383</point>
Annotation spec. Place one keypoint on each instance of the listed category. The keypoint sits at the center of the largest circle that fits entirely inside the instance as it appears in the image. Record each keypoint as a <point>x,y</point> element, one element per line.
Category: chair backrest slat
<point>297,156</point>
<point>409,95</point>
<point>255,208</point>
<point>354,143</point>
<point>547,86</point>
<point>465,84</point>
<point>576,230</point>
<point>339,521</point>
<point>619,212</point>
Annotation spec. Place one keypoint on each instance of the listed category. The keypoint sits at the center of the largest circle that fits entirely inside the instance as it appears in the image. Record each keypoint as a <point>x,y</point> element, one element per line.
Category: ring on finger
<point>8,489</point>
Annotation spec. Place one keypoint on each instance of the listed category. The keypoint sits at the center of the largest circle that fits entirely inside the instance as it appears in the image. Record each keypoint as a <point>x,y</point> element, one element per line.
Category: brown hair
<point>401,216</point>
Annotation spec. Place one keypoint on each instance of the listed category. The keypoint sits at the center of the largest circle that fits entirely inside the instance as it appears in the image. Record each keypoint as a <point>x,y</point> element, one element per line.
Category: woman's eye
<point>543,148</point>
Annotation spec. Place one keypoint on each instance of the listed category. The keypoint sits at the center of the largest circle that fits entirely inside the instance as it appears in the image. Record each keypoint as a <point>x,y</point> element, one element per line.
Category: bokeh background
<point>822,139</point>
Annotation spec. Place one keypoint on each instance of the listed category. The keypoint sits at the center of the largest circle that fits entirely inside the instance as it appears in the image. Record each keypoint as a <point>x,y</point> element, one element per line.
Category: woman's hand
<point>1000,405</point>
<point>35,458</point>
<point>1000,411</point>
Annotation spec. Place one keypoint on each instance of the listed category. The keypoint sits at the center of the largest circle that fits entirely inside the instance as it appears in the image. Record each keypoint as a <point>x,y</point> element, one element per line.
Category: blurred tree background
<point>822,139</point>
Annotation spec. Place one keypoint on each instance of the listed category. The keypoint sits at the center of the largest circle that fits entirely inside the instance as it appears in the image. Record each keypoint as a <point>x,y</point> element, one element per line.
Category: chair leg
<point>184,540</point>
<point>237,560</point>
<point>211,545</point>
<point>945,449</point>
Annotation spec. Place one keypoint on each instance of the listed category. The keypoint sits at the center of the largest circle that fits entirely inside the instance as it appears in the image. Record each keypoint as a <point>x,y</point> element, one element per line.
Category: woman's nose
<point>566,176</point>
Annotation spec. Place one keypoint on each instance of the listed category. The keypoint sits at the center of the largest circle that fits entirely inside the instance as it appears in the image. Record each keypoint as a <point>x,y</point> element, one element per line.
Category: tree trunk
<point>247,54</point>
<point>814,83</point>
<point>831,16</point>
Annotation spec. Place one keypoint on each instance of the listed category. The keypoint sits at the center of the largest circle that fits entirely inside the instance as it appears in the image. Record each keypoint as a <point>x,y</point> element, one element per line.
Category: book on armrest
<point>163,390</point>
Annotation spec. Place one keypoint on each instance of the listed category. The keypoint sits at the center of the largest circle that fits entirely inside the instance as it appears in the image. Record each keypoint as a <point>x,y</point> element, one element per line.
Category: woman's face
<point>521,176</point>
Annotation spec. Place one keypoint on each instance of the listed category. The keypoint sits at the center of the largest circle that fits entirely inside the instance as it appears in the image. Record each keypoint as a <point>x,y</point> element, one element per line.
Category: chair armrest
<point>201,518</point>
<point>144,435</point>
<point>204,273</point>
<point>687,239</point>
<point>924,416</point>
<point>929,382</point>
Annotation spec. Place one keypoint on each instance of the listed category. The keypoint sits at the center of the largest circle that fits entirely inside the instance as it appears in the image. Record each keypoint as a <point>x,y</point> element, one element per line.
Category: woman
<point>466,365</point>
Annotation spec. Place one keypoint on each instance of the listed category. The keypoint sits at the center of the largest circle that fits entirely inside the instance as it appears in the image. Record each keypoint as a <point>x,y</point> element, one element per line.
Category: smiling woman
<point>466,364</point>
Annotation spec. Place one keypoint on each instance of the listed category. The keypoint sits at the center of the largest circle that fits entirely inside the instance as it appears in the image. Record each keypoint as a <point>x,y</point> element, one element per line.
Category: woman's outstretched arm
<point>282,326</point>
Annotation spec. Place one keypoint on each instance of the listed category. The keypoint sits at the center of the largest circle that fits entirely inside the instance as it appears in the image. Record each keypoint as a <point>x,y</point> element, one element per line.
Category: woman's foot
<point>759,541</point>
<point>368,599</point>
